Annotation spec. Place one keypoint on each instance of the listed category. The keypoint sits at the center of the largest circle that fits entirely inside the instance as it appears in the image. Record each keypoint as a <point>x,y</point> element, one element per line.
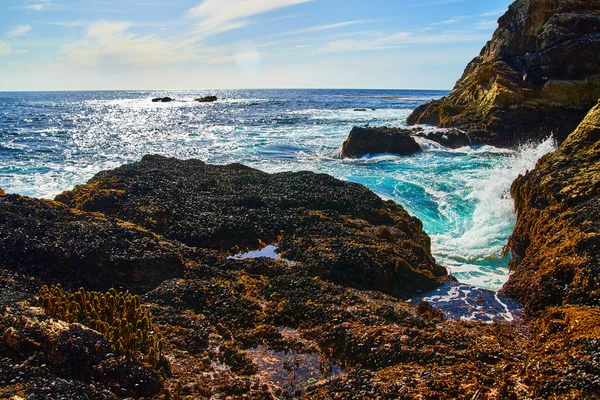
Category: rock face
<point>538,75</point>
<point>362,141</point>
<point>50,241</point>
<point>556,242</point>
<point>206,99</point>
<point>340,231</point>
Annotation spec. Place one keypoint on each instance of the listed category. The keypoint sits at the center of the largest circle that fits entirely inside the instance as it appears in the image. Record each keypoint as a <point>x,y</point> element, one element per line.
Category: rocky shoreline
<point>314,323</point>
<point>140,284</point>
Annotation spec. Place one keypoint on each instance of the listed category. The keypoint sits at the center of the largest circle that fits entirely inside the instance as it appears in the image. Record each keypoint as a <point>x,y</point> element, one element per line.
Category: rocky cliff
<point>556,241</point>
<point>539,75</point>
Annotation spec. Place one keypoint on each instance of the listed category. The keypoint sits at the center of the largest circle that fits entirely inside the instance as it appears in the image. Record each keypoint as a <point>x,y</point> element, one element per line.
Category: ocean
<point>51,141</point>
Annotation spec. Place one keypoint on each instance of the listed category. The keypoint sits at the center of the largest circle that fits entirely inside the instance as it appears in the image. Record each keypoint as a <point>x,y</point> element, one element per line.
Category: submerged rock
<point>556,241</point>
<point>340,231</point>
<point>362,141</point>
<point>539,75</point>
<point>206,99</point>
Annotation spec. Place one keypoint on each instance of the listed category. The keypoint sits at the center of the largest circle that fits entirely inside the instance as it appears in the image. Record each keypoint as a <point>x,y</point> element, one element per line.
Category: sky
<point>212,44</point>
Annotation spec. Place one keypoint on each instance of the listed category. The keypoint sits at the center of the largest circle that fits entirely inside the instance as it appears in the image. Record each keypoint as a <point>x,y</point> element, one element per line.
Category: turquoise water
<point>51,141</point>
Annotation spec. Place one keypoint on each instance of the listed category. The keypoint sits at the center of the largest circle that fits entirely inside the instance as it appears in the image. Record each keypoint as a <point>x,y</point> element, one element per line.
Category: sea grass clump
<point>118,316</point>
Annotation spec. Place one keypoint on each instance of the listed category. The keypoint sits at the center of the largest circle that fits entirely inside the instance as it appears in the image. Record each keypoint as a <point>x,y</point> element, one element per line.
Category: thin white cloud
<point>215,17</point>
<point>397,40</point>
<point>109,45</point>
<point>4,48</point>
<point>486,24</point>
<point>38,5</point>
<point>323,27</point>
<point>446,22</point>
<point>493,13</point>
<point>18,31</point>
<point>68,23</point>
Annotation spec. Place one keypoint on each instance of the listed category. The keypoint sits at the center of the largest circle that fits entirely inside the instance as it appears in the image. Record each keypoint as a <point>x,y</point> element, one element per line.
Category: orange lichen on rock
<point>556,241</point>
<point>538,75</point>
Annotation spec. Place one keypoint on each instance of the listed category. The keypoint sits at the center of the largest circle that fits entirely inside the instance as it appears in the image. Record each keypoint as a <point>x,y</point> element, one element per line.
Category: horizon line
<point>215,89</point>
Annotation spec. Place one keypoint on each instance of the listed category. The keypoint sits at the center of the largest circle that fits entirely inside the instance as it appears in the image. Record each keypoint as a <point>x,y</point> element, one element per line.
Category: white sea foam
<point>492,219</point>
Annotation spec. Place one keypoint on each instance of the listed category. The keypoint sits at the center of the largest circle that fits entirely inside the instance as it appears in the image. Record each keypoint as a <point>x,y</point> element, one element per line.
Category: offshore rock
<point>539,75</point>
<point>162,100</point>
<point>340,231</point>
<point>556,241</point>
<point>206,99</point>
<point>362,141</point>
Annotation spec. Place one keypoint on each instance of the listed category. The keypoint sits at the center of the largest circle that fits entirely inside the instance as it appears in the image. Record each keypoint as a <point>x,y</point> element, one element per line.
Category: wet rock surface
<point>261,327</point>
<point>50,241</point>
<point>367,140</point>
<point>539,75</point>
<point>556,241</point>
<point>340,231</point>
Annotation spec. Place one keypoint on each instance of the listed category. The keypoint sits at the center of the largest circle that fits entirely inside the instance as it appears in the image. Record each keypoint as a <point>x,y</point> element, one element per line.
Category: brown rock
<point>51,242</point>
<point>556,241</point>
<point>340,231</point>
<point>2,192</point>
<point>538,75</point>
<point>362,141</point>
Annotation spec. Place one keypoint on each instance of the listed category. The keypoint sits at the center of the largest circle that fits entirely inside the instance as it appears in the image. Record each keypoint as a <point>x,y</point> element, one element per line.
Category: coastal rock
<point>367,140</point>
<point>52,242</point>
<point>2,193</point>
<point>539,75</point>
<point>556,241</point>
<point>452,138</point>
<point>236,327</point>
<point>162,100</point>
<point>340,231</point>
<point>206,99</point>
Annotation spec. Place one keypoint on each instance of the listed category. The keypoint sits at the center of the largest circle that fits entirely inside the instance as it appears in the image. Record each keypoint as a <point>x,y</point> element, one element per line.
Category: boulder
<point>556,241</point>
<point>367,140</point>
<point>206,99</point>
<point>539,75</point>
<point>2,193</point>
<point>337,230</point>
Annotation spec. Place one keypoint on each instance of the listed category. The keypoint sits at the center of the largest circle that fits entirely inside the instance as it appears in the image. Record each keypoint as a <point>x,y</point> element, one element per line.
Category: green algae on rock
<point>539,75</point>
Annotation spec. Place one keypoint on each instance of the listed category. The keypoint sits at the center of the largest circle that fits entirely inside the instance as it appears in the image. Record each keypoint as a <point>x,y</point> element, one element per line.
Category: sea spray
<point>473,251</point>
